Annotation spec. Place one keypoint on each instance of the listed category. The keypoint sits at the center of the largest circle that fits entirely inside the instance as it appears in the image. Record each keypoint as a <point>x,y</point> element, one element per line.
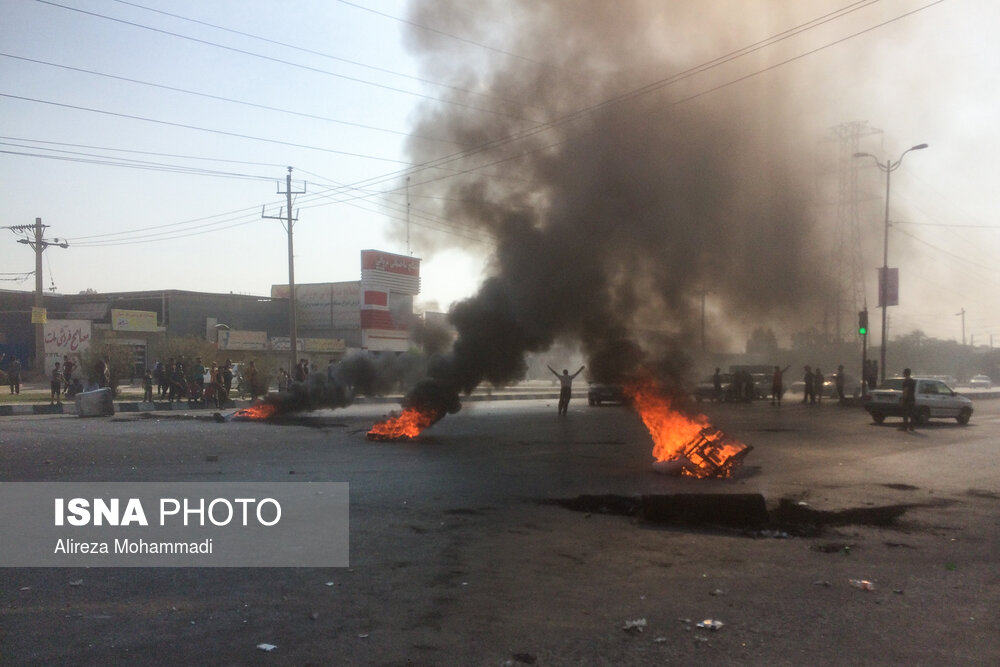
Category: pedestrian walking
<point>716,385</point>
<point>818,385</point>
<point>565,387</point>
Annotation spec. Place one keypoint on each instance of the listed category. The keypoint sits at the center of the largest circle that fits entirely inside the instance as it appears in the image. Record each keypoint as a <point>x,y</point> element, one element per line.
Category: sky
<point>151,135</point>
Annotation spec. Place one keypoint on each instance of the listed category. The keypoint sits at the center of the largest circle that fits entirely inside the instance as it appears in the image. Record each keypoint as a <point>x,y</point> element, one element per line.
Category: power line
<point>280,60</point>
<point>329,56</point>
<point>221,98</point>
<point>195,127</point>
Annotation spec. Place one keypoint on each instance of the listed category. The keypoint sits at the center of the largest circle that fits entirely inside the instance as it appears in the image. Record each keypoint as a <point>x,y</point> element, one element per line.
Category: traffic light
<point>863,323</point>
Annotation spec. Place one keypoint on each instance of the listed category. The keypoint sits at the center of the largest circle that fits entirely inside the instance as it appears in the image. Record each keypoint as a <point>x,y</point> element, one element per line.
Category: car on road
<point>934,400</point>
<point>980,382</point>
<point>705,390</point>
<point>598,393</point>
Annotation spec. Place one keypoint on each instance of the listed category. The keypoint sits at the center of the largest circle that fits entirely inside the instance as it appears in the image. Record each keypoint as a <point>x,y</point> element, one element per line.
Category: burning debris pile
<point>683,444</point>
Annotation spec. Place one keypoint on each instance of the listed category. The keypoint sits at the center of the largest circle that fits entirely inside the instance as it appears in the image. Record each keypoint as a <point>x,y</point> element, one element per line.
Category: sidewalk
<point>34,400</point>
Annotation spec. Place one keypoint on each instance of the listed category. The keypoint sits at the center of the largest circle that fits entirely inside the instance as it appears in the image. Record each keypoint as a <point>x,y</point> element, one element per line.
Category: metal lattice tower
<point>847,243</point>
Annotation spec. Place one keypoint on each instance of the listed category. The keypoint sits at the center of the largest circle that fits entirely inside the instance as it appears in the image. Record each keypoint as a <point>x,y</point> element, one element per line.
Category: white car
<point>934,399</point>
<point>980,382</point>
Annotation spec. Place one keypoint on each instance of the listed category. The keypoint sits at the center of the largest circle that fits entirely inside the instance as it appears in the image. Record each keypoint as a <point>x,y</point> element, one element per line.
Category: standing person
<point>716,385</point>
<point>56,384</point>
<point>68,368</point>
<point>227,375</point>
<point>14,376</point>
<point>839,381</point>
<point>147,386</point>
<point>565,387</point>
<point>199,376</point>
<point>250,378</point>
<point>100,371</point>
<point>818,385</point>
<point>162,381</point>
<point>778,385</point>
<point>178,383</point>
<point>909,401</point>
<point>807,391</point>
<point>283,379</point>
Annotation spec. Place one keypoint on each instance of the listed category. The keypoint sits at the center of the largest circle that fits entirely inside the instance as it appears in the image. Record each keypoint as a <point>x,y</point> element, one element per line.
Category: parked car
<point>606,393</point>
<point>934,399</point>
<point>705,390</point>
<point>980,382</point>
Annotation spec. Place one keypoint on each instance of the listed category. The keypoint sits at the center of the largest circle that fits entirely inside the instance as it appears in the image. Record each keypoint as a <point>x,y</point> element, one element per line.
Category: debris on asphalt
<point>822,582</point>
<point>211,458</point>
<point>76,582</point>
<point>718,591</point>
<point>636,626</point>
<point>862,584</point>
<point>710,624</point>
<point>266,647</point>
<point>526,658</point>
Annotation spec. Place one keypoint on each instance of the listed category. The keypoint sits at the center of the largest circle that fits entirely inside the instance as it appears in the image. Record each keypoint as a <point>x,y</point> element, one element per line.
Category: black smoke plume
<point>611,212</point>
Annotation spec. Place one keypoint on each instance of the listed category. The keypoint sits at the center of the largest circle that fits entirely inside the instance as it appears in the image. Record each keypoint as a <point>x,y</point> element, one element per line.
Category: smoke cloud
<point>609,220</point>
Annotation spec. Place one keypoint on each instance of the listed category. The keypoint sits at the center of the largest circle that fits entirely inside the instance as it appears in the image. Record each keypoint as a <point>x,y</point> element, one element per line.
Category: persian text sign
<point>242,340</point>
<point>174,524</point>
<point>64,337</point>
<point>133,320</point>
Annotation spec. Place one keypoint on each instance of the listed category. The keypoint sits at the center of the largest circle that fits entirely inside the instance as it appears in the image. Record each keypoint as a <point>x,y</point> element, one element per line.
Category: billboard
<point>133,320</point>
<point>242,340</point>
<point>325,305</point>
<point>888,287</point>
<point>65,338</point>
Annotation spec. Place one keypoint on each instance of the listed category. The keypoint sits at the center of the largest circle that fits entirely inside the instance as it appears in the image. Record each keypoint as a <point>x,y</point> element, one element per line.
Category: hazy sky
<point>150,133</point>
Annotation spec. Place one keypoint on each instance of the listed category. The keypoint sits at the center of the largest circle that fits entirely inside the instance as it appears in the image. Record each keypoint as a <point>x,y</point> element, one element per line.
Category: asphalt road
<point>460,557</point>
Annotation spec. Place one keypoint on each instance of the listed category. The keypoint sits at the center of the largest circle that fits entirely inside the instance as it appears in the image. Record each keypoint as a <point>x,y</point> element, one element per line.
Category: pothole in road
<point>745,511</point>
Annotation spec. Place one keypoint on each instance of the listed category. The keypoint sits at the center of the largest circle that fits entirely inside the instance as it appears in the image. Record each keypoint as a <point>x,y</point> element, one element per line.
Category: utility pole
<point>289,219</point>
<point>33,237</point>
<point>962,313</point>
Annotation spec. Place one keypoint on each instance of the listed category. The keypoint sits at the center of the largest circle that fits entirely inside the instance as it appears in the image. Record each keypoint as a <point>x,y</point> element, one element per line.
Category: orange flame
<point>406,425</point>
<point>677,436</point>
<point>256,412</point>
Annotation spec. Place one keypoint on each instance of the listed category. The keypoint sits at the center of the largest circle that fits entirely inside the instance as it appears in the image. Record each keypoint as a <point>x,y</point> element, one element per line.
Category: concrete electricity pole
<point>33,238</point>
<point>289,219</point>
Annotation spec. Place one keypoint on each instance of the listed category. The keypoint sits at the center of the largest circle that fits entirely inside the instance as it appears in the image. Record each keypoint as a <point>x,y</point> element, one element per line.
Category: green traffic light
<point>862,331</point>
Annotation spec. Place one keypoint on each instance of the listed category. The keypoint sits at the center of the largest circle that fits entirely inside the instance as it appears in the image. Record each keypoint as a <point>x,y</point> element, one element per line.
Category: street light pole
<point>888,167</point>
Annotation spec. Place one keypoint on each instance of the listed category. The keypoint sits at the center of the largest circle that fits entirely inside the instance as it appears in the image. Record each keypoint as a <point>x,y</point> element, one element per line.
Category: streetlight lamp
<point>888,167</point>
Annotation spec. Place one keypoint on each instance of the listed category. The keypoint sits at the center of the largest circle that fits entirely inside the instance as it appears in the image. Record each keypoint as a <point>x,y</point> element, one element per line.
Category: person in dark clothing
<point>839,382</point>
<point>14,376</point>
<point>178,383</point>
<point>56,385</point>
<point>227,375</point>
<point>909,401</point>
<point>778,385</point>
<point>565,387</point>
<point>147,387</point>
<point>717,385</point>
<point>807,395</point>
<point>818,385</point>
